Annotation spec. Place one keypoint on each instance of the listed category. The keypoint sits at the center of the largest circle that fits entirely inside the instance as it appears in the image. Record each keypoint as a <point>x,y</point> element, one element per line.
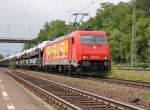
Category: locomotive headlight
<point>105,57</point>
<point>94,47</point>
<point>85,57</point>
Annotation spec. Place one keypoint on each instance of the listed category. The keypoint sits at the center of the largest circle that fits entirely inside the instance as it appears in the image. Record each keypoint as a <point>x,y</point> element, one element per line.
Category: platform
<point>14,97</point>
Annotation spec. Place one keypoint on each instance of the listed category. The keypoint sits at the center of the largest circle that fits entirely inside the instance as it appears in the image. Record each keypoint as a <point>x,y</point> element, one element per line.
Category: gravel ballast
<point>131,95</point>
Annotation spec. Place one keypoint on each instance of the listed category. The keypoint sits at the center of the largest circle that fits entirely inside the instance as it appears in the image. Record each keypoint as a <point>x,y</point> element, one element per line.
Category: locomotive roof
<point>67,36</point>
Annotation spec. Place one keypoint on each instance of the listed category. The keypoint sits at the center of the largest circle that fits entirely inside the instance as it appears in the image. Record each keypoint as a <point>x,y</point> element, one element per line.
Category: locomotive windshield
<point>92,39</point>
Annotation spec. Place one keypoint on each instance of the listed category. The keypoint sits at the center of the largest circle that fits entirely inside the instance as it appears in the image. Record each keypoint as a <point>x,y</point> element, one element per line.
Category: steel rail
<point>133,69</point>
<point>107,101</point>
<point>131,83</point>
<point>44,94</point>
<point>141,84</point>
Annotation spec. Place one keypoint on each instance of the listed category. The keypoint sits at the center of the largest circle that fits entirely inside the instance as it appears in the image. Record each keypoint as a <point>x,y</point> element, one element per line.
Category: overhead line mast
<point>133,47</point>
<point>85,8</point>
<point>76,16</point>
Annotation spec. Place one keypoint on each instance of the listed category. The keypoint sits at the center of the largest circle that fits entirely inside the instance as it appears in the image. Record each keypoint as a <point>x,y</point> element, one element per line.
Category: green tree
<point>51,31</point>
<point>116,20</point>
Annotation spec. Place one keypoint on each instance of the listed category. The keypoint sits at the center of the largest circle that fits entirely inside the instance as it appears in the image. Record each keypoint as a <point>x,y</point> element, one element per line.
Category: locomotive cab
<point>93,51</point>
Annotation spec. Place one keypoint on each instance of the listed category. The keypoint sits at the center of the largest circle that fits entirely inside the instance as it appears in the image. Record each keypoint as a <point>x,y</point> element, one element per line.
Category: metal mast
<point>133,49</point>
<point>76,16</point>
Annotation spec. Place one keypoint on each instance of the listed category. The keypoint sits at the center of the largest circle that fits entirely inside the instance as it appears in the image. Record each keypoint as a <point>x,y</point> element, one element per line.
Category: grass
<point>131,75</point>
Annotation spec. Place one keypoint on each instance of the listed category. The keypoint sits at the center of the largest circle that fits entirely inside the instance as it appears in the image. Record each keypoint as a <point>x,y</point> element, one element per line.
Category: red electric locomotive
<point>84,52</point>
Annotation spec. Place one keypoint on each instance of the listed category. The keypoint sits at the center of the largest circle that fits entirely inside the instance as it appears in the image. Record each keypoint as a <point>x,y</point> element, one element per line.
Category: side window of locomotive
<point>72,40</point>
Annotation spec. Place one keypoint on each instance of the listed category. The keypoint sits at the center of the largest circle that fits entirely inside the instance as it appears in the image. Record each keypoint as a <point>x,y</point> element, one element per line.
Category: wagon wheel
<point>69,70</point>
<point>60,68</point>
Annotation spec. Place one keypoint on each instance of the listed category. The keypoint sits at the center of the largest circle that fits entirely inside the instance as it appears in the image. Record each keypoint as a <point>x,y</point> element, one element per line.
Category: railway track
<point>67,98</point>
<point>134,69</point>
<point>130,83</point>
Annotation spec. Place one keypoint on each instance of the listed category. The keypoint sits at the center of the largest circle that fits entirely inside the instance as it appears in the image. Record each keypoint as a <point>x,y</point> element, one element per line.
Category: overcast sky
<point>23,18</point>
